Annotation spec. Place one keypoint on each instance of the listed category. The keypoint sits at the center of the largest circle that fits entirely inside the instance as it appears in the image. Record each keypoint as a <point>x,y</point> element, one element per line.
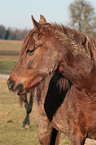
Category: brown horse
<point>49,48</point>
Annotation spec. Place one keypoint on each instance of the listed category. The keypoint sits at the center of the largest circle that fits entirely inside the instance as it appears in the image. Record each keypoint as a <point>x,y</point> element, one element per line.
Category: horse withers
<point>49,48</point>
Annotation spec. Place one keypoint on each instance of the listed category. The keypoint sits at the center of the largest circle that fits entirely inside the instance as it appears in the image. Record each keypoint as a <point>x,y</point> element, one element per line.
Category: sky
<point>17,13</point>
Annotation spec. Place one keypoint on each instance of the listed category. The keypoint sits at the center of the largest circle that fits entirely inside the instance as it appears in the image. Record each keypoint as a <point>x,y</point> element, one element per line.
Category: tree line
<point>9,34</point>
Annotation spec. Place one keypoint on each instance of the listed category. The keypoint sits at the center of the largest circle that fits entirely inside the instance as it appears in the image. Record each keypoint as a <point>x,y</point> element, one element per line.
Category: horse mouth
<point>34,83</point>
<point>22,89</point>
<point>16,88</point>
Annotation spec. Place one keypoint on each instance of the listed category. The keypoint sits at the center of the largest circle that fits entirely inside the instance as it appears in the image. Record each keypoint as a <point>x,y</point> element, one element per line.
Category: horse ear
<point>35,23</point>
<point>42,20</point>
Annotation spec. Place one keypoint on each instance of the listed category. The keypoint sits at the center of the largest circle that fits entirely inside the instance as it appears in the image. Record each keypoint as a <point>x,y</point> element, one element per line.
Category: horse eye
<point>30,51</point>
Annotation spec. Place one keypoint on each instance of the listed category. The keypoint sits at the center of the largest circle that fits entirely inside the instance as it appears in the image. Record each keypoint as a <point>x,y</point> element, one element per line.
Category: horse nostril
<point>10,84</point>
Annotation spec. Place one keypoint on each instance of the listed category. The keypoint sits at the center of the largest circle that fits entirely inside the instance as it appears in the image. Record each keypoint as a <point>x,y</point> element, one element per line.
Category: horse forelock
<point>28,40</point>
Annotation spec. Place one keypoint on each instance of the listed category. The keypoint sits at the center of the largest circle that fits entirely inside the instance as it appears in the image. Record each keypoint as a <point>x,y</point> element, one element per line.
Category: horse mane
<point>79,37</point>
<point>84,44</point>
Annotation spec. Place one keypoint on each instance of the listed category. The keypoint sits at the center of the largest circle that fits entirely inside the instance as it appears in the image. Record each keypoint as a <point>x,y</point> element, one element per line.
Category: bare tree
<point>83,17</point>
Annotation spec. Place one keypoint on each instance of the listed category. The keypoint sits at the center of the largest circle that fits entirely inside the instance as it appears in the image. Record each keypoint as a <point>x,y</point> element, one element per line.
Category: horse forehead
<point>34,38</point>
<point>30,39</point>
<point>35,35</point>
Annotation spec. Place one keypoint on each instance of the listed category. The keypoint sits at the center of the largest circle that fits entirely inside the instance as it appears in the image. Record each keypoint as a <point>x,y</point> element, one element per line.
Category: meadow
<point>11,118</point>
<point>11,113</point>
<point>9,52</point>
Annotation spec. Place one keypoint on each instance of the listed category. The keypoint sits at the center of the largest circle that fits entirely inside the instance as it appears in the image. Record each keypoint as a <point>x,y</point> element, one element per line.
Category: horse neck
<point>76,42</point>
<point>77,66</point>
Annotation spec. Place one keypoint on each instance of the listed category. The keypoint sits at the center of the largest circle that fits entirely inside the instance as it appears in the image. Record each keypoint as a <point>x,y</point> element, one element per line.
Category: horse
<point>49,48</point>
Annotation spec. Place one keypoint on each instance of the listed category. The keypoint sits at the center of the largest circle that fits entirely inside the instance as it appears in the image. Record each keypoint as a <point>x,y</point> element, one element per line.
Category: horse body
<point>71,112</point>
<point>77,108</point>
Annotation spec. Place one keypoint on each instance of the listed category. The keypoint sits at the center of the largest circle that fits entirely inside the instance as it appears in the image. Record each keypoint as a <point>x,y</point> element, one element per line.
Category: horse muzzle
<point>15,88</point>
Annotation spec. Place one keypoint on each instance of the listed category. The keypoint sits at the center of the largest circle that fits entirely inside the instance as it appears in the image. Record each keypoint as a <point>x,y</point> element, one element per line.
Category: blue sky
<point>17,13</point>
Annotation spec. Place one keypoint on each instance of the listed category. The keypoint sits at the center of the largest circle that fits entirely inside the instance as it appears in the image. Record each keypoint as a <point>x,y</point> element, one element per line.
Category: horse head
<point>38,58</point>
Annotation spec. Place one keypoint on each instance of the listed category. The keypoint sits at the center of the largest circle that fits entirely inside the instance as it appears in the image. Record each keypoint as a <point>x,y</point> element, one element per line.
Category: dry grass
<point>11,118</point>
<point>10,45</point>
<point>9,52</point>
<point>10,49</point>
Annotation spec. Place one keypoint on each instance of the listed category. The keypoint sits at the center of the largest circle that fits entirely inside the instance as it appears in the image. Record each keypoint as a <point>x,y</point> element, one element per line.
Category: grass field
<point>11,118</point>
<point>9,52</point>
